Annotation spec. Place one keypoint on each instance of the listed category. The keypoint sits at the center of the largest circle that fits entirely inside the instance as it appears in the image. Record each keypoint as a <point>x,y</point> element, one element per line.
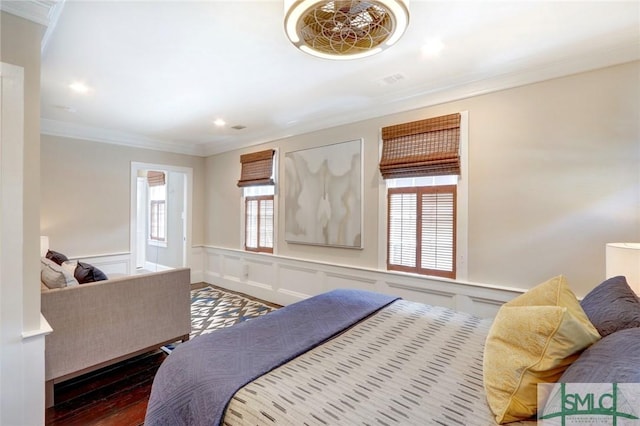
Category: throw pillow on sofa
<point>86,273</point>
<point>70,266</point>
<point>56,257</point>
<point>54,275</point>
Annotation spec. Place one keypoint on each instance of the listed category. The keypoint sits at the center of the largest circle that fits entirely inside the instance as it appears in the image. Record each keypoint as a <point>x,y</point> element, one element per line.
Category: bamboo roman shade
<point>257,168</point>
<point>421,148</point>
<point>155,178</point>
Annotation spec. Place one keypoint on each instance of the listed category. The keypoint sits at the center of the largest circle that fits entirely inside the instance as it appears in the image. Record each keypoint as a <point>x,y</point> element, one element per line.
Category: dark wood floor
<point>115,395</point>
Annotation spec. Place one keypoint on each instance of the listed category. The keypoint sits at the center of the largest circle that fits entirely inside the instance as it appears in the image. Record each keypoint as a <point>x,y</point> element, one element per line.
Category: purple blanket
<point>195,383</point>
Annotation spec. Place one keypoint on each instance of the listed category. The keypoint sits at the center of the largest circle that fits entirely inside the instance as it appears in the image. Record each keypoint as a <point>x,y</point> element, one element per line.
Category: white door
<point>179,203</point>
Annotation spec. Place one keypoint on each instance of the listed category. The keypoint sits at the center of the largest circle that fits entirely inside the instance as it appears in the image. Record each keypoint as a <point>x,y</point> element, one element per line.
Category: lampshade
<point>624,259</point>
<point>347,29</point>
<point>44,246</point>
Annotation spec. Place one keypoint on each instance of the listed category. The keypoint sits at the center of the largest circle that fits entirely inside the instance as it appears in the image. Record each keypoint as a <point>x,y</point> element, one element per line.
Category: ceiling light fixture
<point>347,29</point>
<point>219,122</point>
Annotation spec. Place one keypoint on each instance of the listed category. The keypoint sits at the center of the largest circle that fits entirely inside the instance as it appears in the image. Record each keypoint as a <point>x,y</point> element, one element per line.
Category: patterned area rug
<point>213,308</point>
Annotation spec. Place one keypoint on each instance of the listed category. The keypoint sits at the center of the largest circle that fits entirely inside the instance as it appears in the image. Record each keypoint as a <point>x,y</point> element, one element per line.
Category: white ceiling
<point>161,72</point>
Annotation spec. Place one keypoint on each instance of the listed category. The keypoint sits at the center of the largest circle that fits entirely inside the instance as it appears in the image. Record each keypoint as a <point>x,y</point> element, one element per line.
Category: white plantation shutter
<point>402,229</point>
<point>266,223</point>
<point>157,214</point>
<point>438,231</point>
<point>251,227</point>
<point>421,233</point>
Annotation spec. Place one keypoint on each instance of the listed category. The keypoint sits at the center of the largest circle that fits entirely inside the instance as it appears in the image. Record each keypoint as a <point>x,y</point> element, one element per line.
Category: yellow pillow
<point>533,339</point>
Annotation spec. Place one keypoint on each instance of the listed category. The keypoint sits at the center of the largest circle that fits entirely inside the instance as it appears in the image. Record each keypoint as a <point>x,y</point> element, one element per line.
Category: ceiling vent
<point>391,79</point>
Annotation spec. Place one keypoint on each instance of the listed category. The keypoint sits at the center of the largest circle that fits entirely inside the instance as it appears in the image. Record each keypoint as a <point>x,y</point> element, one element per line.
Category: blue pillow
<point>613,359</point>
<point>612,306</point>
<point>59,258</point>
<point>86,273</point>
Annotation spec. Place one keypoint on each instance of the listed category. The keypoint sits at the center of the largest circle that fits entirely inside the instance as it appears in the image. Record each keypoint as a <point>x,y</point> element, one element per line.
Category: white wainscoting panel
<point>197,264</point>
<point>211,265</point>
<point>299,281</point>
<point>122,264</point>
<point>285,280</point>
<point>258,273</point>
<point>110,264</point>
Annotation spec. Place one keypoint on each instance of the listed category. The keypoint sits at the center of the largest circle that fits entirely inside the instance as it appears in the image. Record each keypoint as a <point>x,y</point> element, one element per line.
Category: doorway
<point>160,225</point>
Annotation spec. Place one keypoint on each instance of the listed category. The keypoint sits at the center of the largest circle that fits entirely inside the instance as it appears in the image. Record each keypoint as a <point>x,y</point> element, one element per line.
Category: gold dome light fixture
<point>346,29</point>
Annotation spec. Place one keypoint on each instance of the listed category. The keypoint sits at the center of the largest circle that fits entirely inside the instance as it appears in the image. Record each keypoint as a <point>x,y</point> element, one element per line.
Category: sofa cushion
<point>86,273</point>
<point>56,257</point>
<point>612,306</point>
<point>54,275</point>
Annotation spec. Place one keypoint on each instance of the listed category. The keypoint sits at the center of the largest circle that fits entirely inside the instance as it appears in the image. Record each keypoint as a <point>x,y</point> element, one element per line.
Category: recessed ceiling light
<point>79,87</point>
<point>219,122</point>
<point>432,47</point>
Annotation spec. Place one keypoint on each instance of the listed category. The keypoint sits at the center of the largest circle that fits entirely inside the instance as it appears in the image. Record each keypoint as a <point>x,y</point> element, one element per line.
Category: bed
<point>354,357</point>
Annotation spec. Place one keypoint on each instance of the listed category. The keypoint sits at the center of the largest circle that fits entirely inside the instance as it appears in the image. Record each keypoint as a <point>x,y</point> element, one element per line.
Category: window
<point>258,190</point>
<point>421,229</point>
<point>420,162</point>
<point>158,212</point>
<point>157,207</point>
<point>259,223</point>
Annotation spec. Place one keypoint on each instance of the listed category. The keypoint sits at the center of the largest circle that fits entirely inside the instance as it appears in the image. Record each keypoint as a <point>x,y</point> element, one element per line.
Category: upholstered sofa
<point>100,323</point>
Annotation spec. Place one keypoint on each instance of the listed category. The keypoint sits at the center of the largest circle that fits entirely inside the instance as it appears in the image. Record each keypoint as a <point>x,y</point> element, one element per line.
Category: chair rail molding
<point>285,280</point>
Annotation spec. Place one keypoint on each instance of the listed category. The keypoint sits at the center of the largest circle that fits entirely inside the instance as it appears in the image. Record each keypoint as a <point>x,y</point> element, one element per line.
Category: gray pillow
<point>612,306</point>
<point>54,276</point>
<point>613,359</point>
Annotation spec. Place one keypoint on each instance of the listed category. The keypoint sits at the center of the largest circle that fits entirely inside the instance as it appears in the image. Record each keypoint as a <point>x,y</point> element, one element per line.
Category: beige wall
<point>20,45</point>
<point>86,194</point>
<point>22,358</point>
<point>553,176</point>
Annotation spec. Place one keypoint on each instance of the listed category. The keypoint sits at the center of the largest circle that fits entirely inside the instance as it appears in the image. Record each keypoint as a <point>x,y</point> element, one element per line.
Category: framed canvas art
<point>323,195</point>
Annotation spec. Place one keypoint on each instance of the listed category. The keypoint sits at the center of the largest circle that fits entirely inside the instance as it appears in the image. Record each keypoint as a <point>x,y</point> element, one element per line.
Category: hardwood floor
<point>115,395</point>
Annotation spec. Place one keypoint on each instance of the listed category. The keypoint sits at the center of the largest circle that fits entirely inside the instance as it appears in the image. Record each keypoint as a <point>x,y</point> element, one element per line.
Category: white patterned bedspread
<point>409,364</point>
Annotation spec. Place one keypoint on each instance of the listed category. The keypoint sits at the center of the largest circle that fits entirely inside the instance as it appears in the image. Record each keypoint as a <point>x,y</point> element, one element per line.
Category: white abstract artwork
<point>323,195</point>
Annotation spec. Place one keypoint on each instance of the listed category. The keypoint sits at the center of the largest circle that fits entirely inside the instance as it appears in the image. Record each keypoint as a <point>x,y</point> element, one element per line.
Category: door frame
<point>188,203</point>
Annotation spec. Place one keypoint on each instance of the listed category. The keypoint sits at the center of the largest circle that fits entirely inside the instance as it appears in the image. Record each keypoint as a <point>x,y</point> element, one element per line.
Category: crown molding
<point>38,11</point>
<point>413,98</point>
<point>114,137</point>
<point>43,12</point>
